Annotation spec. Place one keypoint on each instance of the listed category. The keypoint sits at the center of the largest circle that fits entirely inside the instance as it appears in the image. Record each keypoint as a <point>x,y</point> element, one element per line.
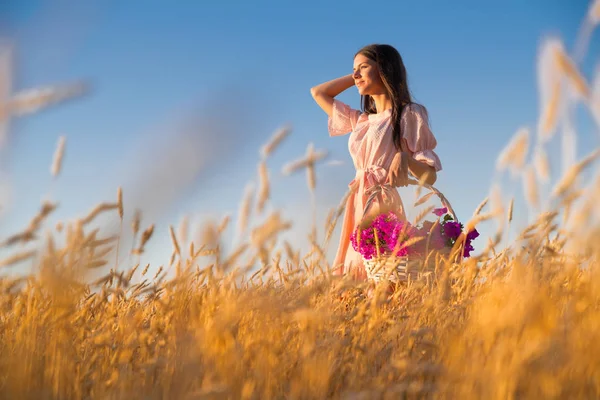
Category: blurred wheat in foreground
<point>266,322</point>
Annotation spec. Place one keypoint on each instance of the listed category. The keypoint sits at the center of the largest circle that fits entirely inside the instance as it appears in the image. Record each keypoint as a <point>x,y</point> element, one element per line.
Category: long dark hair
<point>393,75</point>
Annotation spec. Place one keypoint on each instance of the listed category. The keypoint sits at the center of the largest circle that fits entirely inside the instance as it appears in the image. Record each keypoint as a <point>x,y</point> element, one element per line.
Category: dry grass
<point>58,157</point>
<point>268,322</point>
<point>518,324</point>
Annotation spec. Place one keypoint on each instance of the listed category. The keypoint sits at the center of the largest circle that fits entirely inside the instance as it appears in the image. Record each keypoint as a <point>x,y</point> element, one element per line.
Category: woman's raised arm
<point>325,92</point>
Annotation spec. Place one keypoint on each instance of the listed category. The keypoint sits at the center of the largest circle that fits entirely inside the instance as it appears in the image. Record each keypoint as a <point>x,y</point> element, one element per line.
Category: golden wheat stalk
<point>550,113</point>
<point>311,177</point>
<point>191,249</point>
<point>481,205</point>
<point>530,187</point>
<point>90,237</point>
<point>514,154</point>
<point>58,157</point>
<point>245,209</point>
<point>569,70</point>
<point>320,252</point>
<point>541,164</point>
<point>229,262</point>
<point>422,181</point>
<point>422,214</point>
<point>403,245</point>
<point>269,229</point>
<point>264,192</point>
<point>100,208</point>
<point>594,12</point>
<point>183,230</point>
<point>146,235</point>
<point>338,212</point>
<point>275,141</point>
<point>132,272</point>
<point>102,253</point>
<point>17,258</point>
<point>46,209</point>
<point>209,234</point>
<point>288,250</point>
<point>569,178</point>
<point>92,244</point>
<point>424,199</point>
<point>120,202</point>
<point>31,100</point>
<point>294,166</point>
<point>205,252</point>
<point>135,222</point>
<point>100,281</point>
<point>496,203</point>
<point>174,240</point>
<point>330,223</point>
<point>224,224</point>
<point>311,157</point>
<point>96,264</point>
<point>476,220</point>
<point>29,233</point>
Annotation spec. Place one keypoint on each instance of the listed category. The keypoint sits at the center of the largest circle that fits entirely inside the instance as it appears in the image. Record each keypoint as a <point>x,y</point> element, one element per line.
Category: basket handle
<point>439,194</point>
<point>374,191</point>
<point>386,188</point>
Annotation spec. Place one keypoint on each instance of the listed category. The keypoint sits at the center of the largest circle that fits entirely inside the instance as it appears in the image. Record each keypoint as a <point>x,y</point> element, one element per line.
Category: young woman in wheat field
<point>389,137</point>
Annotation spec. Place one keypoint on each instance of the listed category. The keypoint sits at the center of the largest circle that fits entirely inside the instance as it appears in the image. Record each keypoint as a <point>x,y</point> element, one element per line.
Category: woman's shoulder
<point>346,108</point>
<point>415,108</point>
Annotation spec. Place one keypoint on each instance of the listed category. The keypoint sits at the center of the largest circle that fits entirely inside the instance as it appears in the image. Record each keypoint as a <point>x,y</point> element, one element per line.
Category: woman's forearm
<point>418,169</point>
<point>334,87</point>
<point>324,93</point>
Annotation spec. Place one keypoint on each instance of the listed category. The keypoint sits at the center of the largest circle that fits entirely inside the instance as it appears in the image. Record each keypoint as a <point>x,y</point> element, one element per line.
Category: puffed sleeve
<point>418,136</point>
<point>343,119</point>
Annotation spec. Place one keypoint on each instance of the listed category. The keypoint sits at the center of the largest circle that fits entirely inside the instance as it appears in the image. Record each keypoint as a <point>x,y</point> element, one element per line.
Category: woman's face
<point>366,76</point>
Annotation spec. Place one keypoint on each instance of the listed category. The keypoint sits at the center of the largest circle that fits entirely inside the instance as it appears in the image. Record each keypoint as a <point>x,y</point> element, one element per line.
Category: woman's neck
<point>382,102</point>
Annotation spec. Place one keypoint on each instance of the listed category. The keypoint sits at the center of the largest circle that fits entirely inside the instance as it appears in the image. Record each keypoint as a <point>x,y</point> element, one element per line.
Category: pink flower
<point>390,232</point>
<point>440,211</point>
<point>438,240</point>
<point>473,234</point>
<point>452,229</point>
<point>468,249</point>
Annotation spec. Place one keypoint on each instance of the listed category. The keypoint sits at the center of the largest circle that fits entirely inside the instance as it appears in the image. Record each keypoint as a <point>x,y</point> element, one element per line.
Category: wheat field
<point>265,321</point>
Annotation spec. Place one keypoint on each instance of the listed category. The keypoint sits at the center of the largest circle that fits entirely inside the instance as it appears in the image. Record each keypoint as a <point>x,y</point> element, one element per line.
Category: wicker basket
<point>395,269</point>
<point>398,269</point>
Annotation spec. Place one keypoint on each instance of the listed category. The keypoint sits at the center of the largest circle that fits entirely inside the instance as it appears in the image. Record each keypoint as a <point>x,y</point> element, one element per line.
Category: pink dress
<point>372,150</point>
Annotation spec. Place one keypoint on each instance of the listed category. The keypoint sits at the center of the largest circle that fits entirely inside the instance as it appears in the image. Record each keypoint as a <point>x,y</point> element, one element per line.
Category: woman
<point>388,138</point>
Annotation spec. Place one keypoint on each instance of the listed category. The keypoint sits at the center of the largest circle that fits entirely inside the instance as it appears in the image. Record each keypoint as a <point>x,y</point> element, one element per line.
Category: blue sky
<point>207,83</point>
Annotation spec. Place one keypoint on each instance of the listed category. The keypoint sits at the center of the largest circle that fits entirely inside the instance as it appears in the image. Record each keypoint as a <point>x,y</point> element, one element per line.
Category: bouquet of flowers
<point>395,248</point>
<point>385,233</point>
<point>447,231</point>
<point>388,233</point>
